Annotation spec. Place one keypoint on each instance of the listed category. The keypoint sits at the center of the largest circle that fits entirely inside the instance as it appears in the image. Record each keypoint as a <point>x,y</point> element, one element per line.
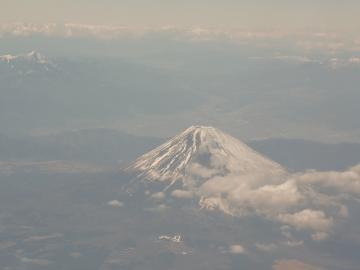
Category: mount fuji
<point>208,169</point>
<point>189,161</point>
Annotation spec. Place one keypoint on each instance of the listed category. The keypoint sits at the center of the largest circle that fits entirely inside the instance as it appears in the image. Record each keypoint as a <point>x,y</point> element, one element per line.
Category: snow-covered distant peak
<point>36,57</point>
<point>27,63</point>
<point>33,56</point>
<point>198,154</point>
<point>7,58</point>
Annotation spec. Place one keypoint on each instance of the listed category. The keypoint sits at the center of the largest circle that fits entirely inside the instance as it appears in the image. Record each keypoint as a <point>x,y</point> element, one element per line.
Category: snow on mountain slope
<point>32,56</point>
<point>31,61</point>
<point>198,154</point>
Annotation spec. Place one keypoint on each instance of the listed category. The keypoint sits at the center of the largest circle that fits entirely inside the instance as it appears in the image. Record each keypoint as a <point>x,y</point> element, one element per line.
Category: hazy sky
<point>333,14</point>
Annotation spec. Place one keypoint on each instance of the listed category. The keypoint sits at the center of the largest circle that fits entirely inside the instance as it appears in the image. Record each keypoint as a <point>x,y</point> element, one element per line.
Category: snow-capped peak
<point>27,63</point>
<point>7,57</point>
<point>36,57</point>
<point>198,154</point>
<point>33,56</point>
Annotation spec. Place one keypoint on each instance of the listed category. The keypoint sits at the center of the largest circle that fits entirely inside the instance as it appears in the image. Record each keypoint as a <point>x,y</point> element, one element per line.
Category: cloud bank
<point>304,40</point>
<point>313,201</point>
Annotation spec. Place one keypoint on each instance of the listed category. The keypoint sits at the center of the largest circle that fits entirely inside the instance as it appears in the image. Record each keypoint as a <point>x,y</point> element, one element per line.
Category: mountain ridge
<point>198,154</point>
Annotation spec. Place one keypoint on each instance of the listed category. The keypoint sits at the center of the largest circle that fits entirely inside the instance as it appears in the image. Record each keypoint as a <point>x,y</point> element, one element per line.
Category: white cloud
<point>237,249</point>
<point>158,196</point>
<point>311,201</point>
<point>287,58</point>
<point>266,247</point>
<point>285,231</point>
<point>75,255</point>
<point>38,262</point>
<point>354,60</point>
<point>43,237</point>
<point>290,239</point>
<point>347,181</point>
<point>173,238</point>
<point>293,243</point>
<point>343,211</point>
<point>293,265</point>
<point>182,194</point>
<point>308,219</point>
<point>328,42</point>
<point>158,208</point>
<point>319,236</point>
<point>237,195</point>
<point>116,203</point>
<point>68,30</point>
<point>274,196</point>
<point>196,170</point>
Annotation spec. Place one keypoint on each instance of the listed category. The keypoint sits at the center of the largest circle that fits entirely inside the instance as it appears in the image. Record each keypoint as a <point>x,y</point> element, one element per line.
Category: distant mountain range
<point>300,155</point>
<point>102,146</point>
<point>107,146</point>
